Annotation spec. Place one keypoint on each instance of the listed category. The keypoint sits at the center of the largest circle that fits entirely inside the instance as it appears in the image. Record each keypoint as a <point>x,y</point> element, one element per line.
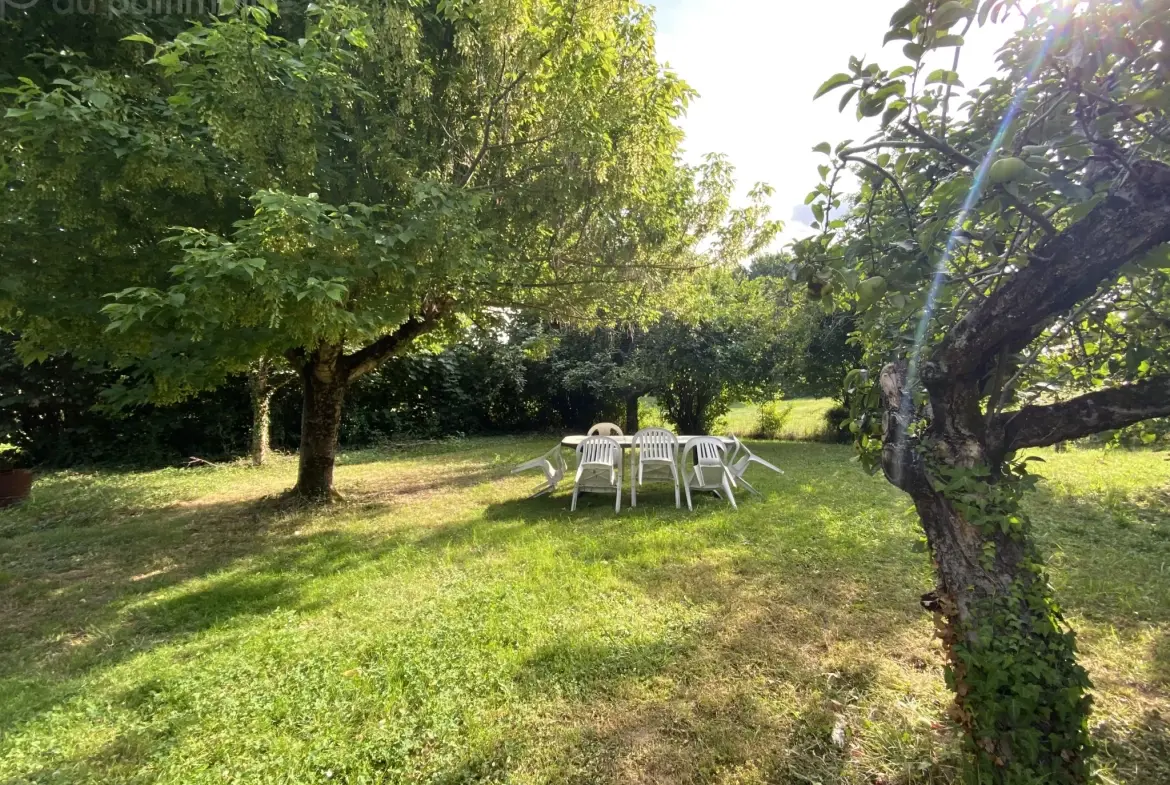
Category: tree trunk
<point>325,382</point>
<point>1021,697</point>
<point>632,412</point>
<point>261,389</point>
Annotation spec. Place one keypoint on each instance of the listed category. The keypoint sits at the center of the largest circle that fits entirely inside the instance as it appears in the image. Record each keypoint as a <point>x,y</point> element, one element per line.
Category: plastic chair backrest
<point>656,444</point>
<point>598,450</point>
<point>605,429</point>
<point>708,449</point>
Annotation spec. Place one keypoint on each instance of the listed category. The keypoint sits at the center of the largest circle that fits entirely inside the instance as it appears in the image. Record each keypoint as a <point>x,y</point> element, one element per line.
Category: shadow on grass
<point>81,597</point>
<point>656,712</point>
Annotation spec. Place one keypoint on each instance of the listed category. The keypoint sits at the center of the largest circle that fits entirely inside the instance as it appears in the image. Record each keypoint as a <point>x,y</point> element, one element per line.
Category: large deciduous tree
<point>337,186</point>
<point>1006,256</point>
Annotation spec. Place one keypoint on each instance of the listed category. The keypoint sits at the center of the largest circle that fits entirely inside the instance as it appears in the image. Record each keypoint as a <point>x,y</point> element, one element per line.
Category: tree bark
<point>261,389</point>
<point>326,373</point>
<point>325,383</point>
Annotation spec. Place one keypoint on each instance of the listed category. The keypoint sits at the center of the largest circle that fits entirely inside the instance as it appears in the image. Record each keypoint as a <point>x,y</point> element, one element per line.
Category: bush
<point>837,425</point>
<point>650,414</point>
<point>771,419</point>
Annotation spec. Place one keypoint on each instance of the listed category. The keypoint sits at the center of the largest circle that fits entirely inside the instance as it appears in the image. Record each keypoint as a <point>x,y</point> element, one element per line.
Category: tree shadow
<point>89,597</point>
<point>713,706</point>
<point>1140,751</point>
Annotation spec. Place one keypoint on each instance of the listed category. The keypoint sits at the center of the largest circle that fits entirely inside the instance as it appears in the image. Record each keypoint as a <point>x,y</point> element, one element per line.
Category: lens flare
<point>978,185</point>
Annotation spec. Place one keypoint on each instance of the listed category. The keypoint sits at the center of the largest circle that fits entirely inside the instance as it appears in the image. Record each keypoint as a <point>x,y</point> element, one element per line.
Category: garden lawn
<point>181,626</point>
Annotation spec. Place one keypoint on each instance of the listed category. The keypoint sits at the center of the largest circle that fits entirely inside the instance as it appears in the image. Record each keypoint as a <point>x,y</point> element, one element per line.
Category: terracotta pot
<point>15,485</point>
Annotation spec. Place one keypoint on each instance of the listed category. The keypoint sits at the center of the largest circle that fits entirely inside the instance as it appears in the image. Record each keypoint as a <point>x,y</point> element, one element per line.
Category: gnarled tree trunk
<point>1020,694</point>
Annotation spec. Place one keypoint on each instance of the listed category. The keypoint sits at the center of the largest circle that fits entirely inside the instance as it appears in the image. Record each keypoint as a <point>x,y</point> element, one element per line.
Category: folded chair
<point>552,463</point>
<point>654,457</point>
<point>599,469</point>
<point>741,458</point>
<point>709,472</point>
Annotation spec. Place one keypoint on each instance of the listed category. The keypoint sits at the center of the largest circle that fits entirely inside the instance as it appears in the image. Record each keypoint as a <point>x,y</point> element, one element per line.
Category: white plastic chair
<point>655,451</point>
<point>709,472</point>
<point>739,461</point>
<point>552,463</point>
<point>599,469</point>
<point>605,429</point>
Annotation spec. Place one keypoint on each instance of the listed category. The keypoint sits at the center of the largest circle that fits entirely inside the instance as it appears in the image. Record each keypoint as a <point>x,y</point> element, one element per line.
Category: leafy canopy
<point>253,185</point>
<point>957,189</point>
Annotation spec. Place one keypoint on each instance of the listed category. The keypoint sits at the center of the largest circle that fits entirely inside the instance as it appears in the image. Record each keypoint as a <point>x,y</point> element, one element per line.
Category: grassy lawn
<point>806,423</point>
<point>178,626</point>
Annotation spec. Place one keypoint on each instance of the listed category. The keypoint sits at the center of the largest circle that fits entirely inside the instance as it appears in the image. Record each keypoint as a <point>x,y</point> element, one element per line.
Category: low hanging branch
<point>1040,426</point>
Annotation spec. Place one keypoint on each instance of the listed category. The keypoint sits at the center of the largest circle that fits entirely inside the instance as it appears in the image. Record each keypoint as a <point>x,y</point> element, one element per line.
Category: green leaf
<point>944,41</point>
<point>845,99</point>
<point>99,99</point>
<point>832,83</point>
<point>903,15</point>
<point>824,171</point>
<point>892,111</point>
<point>984,10</point>
<point>901,34</point>
<point>913,51</point>
<point>1067,188</point>
<point>141,38</point>
<point>823,147</point>
<point>943,76</point>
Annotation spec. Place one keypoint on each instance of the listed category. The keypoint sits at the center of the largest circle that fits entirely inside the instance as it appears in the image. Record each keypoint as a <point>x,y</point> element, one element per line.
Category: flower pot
<point>15,485</point>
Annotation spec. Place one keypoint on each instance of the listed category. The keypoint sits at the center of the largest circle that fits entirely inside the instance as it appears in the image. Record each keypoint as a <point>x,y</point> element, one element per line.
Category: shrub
<point>650,414</point>
<point>837,425</point>
<point>771,419</point>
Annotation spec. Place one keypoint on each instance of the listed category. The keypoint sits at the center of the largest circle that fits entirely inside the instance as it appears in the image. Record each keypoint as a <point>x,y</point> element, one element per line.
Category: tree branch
<point>1105,410</point>
<point>367,359</point>
<point>1063,270</point>
<point>959,158</point>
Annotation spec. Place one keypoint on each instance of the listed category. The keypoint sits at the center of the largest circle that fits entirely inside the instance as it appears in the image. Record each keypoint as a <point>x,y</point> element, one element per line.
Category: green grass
<point>180,627</point>
<point>806,423</point>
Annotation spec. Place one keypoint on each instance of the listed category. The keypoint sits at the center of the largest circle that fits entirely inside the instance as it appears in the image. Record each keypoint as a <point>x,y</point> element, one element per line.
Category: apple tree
<point>1004,249</point>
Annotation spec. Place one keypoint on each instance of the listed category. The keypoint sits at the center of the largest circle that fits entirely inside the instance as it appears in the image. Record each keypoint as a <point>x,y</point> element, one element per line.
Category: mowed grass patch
<point>806,423</point>
<point>187,626</point>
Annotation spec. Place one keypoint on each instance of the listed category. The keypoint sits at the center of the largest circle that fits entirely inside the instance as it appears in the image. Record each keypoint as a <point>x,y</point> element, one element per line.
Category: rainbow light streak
<point>978,185</point>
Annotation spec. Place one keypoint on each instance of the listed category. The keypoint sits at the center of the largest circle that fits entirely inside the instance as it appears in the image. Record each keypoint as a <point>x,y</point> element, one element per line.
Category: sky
<point>756,65</point>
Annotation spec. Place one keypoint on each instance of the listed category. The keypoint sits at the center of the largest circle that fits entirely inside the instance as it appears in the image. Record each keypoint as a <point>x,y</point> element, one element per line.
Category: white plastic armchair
<point>605,429</point>
<point>552,463</point>
<point>739,461</point>
<point>654,456</point>
<point>599,469</point>
<point>709,472</point>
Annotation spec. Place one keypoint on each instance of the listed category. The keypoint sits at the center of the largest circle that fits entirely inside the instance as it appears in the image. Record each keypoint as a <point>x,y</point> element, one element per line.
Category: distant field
<point>807,422</point>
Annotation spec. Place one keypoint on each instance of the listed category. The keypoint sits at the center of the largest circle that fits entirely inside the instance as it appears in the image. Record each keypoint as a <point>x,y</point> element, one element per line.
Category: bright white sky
<point>756,65</point>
